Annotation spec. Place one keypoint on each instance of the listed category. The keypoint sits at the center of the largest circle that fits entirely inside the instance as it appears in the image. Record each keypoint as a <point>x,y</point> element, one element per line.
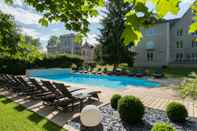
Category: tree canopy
<point>13,43</point>
<point>193,27</point>
<point>75,13</point>
<point>32,41</point>
<point>113,50</point>
<point>9,34</point>
<point>53,41</point>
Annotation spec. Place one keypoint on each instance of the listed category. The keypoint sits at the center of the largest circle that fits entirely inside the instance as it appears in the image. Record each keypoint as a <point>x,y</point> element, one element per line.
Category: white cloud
<point>31,31</point>
<point>21,15</point>
<point>92,38</point>
<point>95,19</point>
<point>98,19</point>
<point>18,2</point>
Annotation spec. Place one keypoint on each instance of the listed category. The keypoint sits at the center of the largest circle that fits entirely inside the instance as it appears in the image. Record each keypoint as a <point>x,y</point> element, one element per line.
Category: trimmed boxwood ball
<point>114,101</point>
<point>159,126</point>
<point>176,112</point>
<point>131,109</point>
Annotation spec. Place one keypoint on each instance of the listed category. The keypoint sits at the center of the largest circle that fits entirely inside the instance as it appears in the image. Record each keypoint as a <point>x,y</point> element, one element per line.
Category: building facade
<point>168,43</point>
<point>66,45</point>
<point>87,52</point>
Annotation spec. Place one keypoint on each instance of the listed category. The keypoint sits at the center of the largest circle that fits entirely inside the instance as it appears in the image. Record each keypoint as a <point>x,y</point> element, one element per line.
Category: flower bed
<point>112,122</point>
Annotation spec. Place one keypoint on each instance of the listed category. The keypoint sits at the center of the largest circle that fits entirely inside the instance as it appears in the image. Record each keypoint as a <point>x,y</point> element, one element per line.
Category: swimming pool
<point>115,82</point>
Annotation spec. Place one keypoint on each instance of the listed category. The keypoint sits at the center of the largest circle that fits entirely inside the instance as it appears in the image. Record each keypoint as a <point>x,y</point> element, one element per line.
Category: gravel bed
<point>112,122</point>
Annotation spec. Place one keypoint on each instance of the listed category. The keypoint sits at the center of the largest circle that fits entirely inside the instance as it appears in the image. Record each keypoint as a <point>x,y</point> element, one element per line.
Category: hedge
<point>18,67</point>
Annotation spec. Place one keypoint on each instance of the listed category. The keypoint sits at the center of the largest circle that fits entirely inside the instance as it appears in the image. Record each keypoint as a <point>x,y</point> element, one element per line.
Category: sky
<point>27,20</point>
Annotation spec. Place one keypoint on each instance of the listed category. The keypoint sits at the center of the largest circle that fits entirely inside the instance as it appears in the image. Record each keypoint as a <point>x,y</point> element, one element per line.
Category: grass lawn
<point>169,72</point>
<point>14,117</point>
<point>178,72</point>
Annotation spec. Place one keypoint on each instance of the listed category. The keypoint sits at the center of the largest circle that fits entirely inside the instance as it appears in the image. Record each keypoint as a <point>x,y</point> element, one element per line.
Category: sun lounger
<point>55,95</point>
<point>139,73</point>
<point>74,96</point>
<point>158,74</point>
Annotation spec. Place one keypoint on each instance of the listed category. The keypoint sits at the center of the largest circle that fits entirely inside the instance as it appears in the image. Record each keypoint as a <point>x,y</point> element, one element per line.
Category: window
<point>179,57</point>
<point>179,44</point>
<point>150,56</point>
<point>150,32</point>
<point>194,58</point>
<point>180,32</point>
<point>84,53</point>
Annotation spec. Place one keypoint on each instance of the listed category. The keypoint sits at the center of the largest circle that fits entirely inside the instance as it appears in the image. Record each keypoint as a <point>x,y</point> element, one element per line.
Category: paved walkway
<point>156,98</point>
<point>153,98</point>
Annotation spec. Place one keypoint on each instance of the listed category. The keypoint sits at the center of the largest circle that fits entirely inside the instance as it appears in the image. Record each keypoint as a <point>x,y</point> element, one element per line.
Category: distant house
<point>168,43</point>
<point>66,45</point>
<point>87,52</point>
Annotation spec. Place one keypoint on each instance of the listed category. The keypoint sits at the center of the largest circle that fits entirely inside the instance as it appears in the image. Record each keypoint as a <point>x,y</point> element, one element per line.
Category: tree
<point>113,51</point>
<point>9,35</point>
<point>32,41</point>
<point>193,27</point>
<point>28,52</point>
<point>13,44</point>
<point>75,13</point>
<point>53,41</point>
<point>98,54</point>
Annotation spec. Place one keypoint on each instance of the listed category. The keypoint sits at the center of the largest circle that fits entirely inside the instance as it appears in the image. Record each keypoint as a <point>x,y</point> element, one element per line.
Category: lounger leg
<point>72,106</point>
<point>81,104</point>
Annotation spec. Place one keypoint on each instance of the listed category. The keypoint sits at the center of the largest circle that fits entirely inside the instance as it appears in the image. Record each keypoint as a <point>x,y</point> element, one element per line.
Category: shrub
<point>162,127</point>
<point>176,112</point>
<point>114,101</point>
<point>58,61</point>
<point>18,67</point>
<point>13,66</point>
<point>131,109</point>
<point>188,87</point>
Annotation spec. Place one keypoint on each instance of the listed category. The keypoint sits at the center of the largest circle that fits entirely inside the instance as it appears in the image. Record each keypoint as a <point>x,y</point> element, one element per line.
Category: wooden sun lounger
<point>73,97</point>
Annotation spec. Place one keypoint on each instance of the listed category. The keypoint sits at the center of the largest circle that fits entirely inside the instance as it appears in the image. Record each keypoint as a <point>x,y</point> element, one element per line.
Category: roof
<point>86,44</point>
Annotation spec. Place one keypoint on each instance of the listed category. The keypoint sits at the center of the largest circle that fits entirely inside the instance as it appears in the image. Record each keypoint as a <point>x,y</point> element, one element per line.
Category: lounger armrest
<point>94,92</point>
<point>67,86</point>
<point>73,90</point>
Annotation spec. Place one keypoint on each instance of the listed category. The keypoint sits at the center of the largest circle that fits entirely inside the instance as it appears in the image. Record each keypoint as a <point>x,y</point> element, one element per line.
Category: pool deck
<point>156,98</point>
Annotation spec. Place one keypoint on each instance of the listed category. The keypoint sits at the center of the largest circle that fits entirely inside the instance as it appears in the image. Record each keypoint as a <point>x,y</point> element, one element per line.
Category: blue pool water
<point>115,82</point>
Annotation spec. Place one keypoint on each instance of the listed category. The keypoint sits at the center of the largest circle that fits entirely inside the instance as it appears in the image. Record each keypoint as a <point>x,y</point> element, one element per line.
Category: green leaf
<point>141,7</point>
<point>9,1</point>
<point>101,3</point>
<point>43,22</point>
<point>78,38</point>
<point>193,27</point>
<point>131,35</point>
<point>132,19</point>
<point>165,6</point>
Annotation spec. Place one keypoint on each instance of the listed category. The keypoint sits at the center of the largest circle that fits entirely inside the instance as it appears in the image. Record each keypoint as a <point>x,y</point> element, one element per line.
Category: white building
<point>87,52</point>
<point>66,45</point>
<point>168,43</point>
